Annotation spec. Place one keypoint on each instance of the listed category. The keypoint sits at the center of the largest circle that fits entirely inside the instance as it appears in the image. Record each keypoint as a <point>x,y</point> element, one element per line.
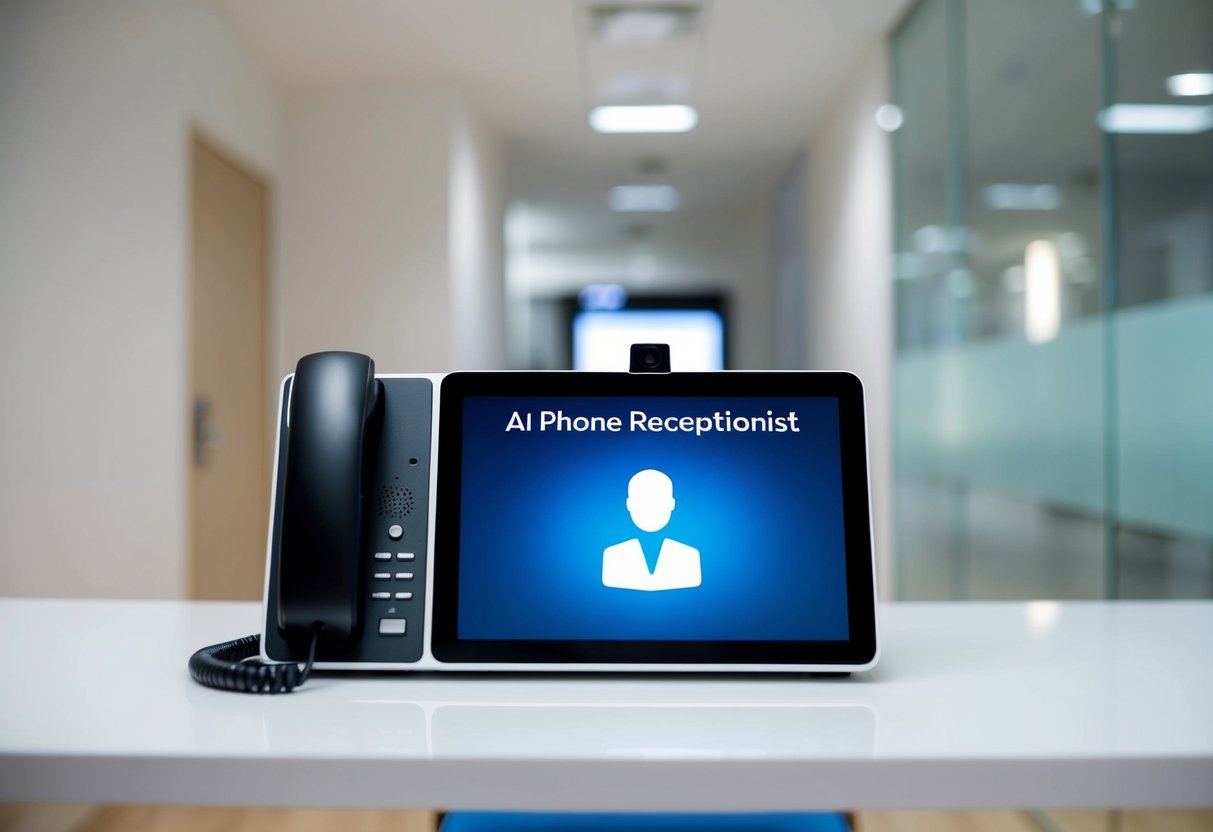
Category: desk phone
<point>562,521</point>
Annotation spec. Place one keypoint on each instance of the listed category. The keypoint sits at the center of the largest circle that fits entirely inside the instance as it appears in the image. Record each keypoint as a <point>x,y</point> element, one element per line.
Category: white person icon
<point>650,502</point>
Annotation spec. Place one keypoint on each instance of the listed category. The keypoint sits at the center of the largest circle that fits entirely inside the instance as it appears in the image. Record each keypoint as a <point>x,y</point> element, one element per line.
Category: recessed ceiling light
<point>644,198</point>
<point>1157,118</point>
<point>889,118</point>
<point>1191,83</point>
<point>660,118</point>
<point>1015,197</point>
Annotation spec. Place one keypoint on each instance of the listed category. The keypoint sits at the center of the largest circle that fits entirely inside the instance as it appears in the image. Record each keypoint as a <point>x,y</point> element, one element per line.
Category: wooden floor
<point>44,818</point>
<point>1068,821</point>
<point>58,818</point>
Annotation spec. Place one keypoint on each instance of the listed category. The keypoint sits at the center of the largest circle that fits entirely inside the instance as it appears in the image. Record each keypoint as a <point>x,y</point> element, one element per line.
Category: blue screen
<point>663,518</point>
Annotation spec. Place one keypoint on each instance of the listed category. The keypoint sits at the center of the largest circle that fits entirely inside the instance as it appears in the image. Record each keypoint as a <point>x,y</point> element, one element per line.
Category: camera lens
<point>649,358</point>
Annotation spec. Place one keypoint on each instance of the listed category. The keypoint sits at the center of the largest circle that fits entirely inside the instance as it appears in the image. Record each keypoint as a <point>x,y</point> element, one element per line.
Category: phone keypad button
<point>383,576</point>
<point>392,626</point>
<point>404,556</point>
<point>383,556</point>
<point>402,576</point>
<point>395,531</point>
<point>379,596</point>
<point>404,596</point>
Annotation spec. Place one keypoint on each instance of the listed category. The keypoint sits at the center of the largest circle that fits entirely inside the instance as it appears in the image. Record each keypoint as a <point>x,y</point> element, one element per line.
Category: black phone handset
<point>334,400</point>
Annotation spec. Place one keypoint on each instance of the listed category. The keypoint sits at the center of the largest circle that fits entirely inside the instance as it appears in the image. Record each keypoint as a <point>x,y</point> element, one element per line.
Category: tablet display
<point>650,519</point>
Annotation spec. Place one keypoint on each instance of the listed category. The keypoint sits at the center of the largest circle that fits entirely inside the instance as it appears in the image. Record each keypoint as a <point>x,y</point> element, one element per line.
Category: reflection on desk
<point>552,717</point>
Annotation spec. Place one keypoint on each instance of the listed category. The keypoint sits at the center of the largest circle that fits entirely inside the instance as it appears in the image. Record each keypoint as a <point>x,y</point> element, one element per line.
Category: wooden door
<point>229,493</point>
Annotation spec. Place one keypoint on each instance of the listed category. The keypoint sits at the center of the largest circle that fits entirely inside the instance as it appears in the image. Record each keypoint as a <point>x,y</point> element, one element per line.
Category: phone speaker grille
<point>394,501</point>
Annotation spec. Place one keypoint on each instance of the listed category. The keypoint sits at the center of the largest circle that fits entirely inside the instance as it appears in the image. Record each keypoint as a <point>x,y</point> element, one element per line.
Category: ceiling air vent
<point>626,25</point>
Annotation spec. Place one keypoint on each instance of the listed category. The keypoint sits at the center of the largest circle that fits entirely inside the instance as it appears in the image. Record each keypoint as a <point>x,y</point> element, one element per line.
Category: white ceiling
<point>762,72</point>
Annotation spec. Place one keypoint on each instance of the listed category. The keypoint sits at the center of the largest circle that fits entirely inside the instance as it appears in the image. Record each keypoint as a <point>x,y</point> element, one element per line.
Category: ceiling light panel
<point>1042,292</point>
<point>1157,118</point>
<point>1017,197</point>
<point>668,118</point>
<point>1191,83</point>
<point>658,198</point>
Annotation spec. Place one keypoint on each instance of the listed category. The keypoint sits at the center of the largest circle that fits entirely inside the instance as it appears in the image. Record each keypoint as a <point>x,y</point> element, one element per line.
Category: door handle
<point>206,435</point>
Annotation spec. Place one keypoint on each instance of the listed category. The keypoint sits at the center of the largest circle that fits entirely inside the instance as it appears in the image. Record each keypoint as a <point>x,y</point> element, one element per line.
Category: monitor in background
<point>695,332</point>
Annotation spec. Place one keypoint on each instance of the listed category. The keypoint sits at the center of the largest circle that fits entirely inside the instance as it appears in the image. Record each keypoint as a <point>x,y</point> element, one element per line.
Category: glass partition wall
<point>1053,422</point>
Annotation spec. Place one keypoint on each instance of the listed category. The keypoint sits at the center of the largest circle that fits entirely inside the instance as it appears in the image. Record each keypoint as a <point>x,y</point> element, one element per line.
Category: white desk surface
<point>1038,705</point>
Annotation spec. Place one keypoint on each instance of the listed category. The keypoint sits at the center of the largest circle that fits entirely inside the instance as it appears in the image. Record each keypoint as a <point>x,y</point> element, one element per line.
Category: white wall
<point>752,301</point>
<point>789,266</point>
<point>96,106</point>
<point>379,195</point>
<point>389,241</point>
<point>477,245</point>
<point>849,322</point>
<point>363,226</point>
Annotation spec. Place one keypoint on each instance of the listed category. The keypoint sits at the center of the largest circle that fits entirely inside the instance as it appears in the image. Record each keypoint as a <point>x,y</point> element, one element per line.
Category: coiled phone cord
<point>223,666</point>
